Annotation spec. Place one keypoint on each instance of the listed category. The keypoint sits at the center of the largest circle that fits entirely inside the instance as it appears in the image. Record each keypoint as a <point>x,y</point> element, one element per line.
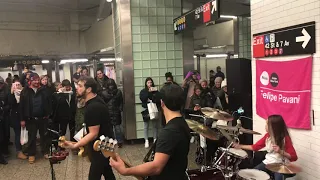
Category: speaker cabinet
<point>239,84</point>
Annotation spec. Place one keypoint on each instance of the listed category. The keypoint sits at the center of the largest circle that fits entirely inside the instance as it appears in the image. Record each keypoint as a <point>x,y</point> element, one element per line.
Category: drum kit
<point>225,164</point>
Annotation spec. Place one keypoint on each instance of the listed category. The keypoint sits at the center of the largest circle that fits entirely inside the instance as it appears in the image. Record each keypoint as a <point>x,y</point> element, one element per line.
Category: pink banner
<point>284,88</point>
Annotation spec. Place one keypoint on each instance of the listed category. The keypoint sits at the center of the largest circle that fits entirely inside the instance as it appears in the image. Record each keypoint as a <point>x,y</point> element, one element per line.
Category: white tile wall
<point>273,14</point>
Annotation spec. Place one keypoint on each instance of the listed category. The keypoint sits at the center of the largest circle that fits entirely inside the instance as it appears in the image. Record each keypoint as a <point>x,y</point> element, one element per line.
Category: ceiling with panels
<point>88,11</point>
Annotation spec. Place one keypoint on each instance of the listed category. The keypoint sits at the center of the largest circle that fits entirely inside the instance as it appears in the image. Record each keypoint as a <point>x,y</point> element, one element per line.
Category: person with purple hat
<point>35,110</point>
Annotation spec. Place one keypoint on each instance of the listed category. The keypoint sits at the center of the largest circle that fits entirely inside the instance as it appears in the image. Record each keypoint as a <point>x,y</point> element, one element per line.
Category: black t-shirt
<point>174,140</point>
<point>96,113</point>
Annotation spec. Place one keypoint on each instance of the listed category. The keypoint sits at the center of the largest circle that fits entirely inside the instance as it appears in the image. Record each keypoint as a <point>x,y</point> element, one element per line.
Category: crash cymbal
<point>216,114</point>
<point>233,128</point>
<point>288,168</point>
<point>201,129</point>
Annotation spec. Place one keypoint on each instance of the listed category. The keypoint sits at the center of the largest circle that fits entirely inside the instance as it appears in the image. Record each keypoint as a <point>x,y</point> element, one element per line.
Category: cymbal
<point>201,129</point>
<point>288,168</point>
<point>233,128</point>
<point>216,114</point>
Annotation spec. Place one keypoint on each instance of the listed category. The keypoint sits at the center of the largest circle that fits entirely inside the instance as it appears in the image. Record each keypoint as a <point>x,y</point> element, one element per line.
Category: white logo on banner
<point>264,78</point>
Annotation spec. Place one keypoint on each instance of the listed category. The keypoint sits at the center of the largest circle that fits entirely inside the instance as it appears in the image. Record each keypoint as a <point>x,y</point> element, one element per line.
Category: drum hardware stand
<point>204,167</point>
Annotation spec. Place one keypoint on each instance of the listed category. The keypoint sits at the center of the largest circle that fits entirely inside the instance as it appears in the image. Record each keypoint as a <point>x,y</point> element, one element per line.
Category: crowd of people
<point>33,103</point>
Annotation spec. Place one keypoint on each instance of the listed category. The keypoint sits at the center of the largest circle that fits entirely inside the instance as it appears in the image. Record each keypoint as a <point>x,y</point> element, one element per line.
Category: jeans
<point>156,123</point>
<point>100,166</point>
<point>277,176</point>
<point>17,130</point>
<point>62,125</point>
<point>33,125</point>
<point>118,133</point>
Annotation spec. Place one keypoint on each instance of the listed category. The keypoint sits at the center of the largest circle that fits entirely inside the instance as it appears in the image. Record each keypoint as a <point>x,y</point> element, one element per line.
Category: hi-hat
<point>216,114</point>
<point>283,168</point>
<point>243,130</point>
<point>201,129</point>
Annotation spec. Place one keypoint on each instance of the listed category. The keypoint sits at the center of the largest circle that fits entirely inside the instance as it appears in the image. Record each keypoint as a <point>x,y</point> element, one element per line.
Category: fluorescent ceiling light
<point>107,59</point>
<point>109,0</point>
<point>216,55</point>
<point>236,56</point>
<point>106,49</point>
<point>63,61</point>
<point>45,61</point>
<point>103,50</point>
<point>228,17</point>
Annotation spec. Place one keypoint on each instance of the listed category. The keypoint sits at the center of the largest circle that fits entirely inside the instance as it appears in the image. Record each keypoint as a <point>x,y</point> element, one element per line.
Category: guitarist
<point>172,146</point>
<point>97,122</point>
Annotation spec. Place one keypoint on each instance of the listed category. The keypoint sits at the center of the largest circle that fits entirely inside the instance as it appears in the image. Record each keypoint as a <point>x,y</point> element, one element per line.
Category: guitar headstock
<point>106,145</point>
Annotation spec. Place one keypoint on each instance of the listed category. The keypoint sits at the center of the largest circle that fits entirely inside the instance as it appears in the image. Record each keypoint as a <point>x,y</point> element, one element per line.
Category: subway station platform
<point>74,167</point>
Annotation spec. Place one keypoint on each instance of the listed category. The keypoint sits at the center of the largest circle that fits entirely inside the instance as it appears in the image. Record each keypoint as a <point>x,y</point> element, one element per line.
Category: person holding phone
<point>147,94</point>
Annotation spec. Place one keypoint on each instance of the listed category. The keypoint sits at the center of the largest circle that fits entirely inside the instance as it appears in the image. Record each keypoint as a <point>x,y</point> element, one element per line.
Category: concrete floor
<point>74,167</point>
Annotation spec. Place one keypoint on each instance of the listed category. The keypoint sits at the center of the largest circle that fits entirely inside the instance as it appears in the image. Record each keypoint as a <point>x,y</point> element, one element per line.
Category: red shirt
<point>288,147</point>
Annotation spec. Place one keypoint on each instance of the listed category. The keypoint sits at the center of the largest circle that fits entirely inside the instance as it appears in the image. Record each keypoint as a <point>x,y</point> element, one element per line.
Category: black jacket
<point>114,102</point>
<point>101,86</point>
<point>61,108</point>
<point>26,103</point>
<point>145,95</point>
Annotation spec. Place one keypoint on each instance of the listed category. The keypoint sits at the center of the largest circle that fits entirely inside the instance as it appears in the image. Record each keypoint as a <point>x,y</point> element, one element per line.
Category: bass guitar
<point>108,147</point>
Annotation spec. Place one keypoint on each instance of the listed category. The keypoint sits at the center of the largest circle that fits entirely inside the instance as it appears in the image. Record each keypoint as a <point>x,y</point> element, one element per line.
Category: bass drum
<point>212,174</point>
<point>249,174</point>
<point>233,157</point>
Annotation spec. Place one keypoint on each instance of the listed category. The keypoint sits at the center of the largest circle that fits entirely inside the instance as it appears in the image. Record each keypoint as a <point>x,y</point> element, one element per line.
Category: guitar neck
<point>128,165</point>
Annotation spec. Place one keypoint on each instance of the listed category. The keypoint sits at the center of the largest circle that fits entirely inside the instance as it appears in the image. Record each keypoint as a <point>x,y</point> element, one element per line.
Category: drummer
<point>278,144</point>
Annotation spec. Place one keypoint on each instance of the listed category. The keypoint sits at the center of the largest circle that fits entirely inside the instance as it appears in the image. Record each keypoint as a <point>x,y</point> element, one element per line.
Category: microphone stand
<point>205,166</point>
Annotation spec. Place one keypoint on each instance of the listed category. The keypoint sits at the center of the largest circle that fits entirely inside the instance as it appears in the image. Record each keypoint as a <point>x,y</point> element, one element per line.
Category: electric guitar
<point>82,152</point>
<point>108,146</point>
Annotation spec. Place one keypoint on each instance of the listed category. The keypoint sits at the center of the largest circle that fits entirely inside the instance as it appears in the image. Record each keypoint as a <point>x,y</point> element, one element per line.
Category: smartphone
<point>153,89</point>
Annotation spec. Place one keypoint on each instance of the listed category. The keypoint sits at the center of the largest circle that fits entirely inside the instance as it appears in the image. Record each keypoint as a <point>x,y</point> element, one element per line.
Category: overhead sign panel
<point>293,40</point>
<point>199,16</point>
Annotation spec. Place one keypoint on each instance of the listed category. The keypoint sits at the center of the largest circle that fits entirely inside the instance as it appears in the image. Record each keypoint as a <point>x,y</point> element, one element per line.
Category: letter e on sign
<point>258,46</point>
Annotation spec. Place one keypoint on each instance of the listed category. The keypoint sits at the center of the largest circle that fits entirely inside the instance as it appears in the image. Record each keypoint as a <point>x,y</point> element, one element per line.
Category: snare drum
<point>234,158</point>
<point>252,174</point>
<point>210,174</point>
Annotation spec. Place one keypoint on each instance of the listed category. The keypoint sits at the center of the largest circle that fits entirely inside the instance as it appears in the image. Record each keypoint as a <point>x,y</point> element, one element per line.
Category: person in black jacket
<point>4,122</point>
<point>14,102</point>
<point>64,109</point>
<point>112,96</point>
<point>35,108</point>
<point>149,93</point>
<point>101,79</point>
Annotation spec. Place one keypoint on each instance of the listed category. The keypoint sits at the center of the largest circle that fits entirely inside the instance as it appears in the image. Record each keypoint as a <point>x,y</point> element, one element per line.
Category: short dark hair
<point>89,82</point>
<point>65,83</point>
<point>172,96</point>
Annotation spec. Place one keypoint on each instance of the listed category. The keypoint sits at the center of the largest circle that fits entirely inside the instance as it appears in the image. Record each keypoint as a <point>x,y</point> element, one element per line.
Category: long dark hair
<point>277,129</point>
<point>145,83</point>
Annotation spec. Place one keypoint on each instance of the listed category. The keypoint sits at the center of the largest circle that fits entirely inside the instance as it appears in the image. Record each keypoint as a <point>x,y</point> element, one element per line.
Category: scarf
<point>17,93</point>
<point>62,90</point>
<point>100,81</point>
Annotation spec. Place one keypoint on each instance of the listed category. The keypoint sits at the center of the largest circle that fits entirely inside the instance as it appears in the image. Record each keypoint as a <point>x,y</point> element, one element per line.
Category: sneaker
<point>20,155</point>
<point>192,140</point>
<point>31,159</point>
<point>146,144</point>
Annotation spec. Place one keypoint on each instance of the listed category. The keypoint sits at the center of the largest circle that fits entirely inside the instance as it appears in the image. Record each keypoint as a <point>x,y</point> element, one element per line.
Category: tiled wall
<point>117,42</point>
<point>156,50</point>
<point>273,14</point>
<point>244,37</point>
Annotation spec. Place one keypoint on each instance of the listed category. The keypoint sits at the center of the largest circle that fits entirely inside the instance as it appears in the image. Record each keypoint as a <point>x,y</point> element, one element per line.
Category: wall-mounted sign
<point>199,16</point>
<point>293,40</point>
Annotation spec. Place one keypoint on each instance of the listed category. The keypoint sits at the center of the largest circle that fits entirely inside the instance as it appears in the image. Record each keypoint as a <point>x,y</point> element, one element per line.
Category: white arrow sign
<point>305,38</point>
